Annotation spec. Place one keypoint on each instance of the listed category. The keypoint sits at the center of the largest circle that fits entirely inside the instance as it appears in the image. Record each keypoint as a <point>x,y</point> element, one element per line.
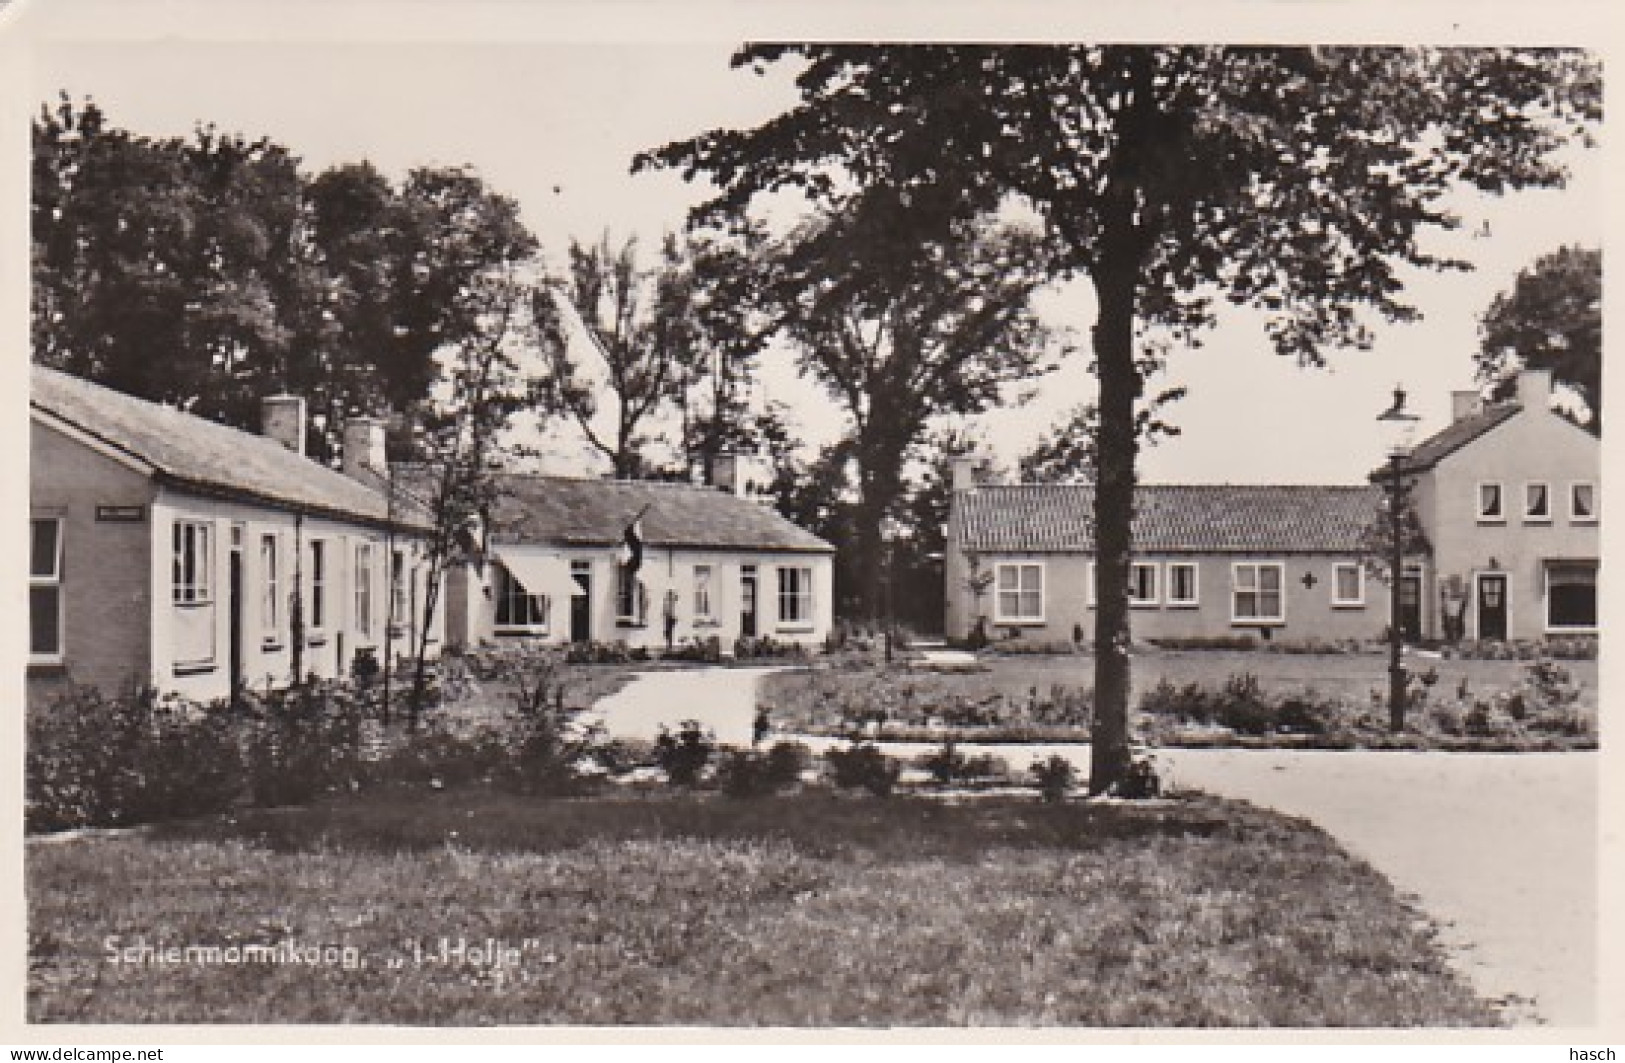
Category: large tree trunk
<point>1116,446</point>
<point>880,475</point>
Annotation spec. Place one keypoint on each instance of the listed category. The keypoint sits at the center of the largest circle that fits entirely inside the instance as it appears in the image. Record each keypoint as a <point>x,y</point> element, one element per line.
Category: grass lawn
<point>806,910</point>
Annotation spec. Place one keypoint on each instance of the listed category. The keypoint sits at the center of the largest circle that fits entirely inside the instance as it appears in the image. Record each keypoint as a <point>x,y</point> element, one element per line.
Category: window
<point>1582,503</point>
<point>702,592</point>
<point>363,589</point>
<point>1021,593</point>
<point>270,611</point>
<point>1348,584</point>
<point>190,581</point>
<point>1571,595</point>
<point>1256,589</point>
<point>1182,583</point>
<point>45,590</point>
<point>631,598</point>
<point>1537,503</point>
<point>399,612</point>
<point>795,595</point>
<point>517,609</point>
<point>1490,504</point>
<point>318,584</point>
<point>1142,583</point>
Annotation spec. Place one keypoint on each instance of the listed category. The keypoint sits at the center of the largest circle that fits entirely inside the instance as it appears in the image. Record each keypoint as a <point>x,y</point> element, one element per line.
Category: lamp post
<point>1398,427</point>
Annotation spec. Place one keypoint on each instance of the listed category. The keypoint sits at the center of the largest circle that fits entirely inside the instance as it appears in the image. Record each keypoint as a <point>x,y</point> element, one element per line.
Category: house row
<point>172,552</point>
<point>1506,497</point>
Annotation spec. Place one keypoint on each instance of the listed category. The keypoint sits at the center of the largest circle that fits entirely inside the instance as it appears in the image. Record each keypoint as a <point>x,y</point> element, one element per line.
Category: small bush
<point>946,765</point>
<point>1207,642</point>
<point>1055,777</point>
<point>863,766</point>
<point>1140,782</point>
<point>766,646</point>
<point>621,755</point>
<point>705,651</point>
<point>685,754</point>
<point>745,773</point>
<point>1021,647</point>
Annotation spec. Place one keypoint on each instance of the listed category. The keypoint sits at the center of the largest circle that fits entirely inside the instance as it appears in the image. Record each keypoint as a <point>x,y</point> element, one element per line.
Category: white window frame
<point>1236,590</point>
<point>270,588</point>
<point>704,604</point>
<point>1155,597</point>
<point>1546,594</point>
<point>1530,517</point>
<point>537,609</point>
<point>52,581</point>
<point>797,595</point>
<point>1575,517</point>
<point>999,591</point>
<point>363,603</point>
<point>1340,602</point>
<point>1485,517</point>
<point>192,550</point>
<point>1196,585</point>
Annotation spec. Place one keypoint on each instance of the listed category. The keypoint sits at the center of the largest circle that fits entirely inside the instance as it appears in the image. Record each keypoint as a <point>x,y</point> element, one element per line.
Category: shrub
<point>1019,646</point>
<point>302,741</point>
<point>863,766</point>
<point>946,765</point>
<point>621,755</point>
<point>746,773</point>
<point>706,651</point>
<point>1243,707</point>
<point>1139,782</point>
<point>1207,642</point>
<point>685,754</point>
<point>746,648</point>
<point>1054,777</point>
<point>95,760</point>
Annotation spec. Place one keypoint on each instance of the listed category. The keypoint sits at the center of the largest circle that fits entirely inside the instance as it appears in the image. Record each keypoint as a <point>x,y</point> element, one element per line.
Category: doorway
<point>747,601</point>
<point>1492,605</point>
<point>581,602</point>
<point>1410,606</point>
<point>234,610</point>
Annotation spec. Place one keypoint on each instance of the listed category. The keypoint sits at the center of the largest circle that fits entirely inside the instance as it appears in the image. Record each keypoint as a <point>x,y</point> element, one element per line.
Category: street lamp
<point>1398,428</point>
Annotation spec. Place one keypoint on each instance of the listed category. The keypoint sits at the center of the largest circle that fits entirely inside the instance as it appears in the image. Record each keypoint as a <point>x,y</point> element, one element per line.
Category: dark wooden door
<point>234,609</point>
<point>1410,607</point>
<point>1492,607</point>
<point>581,608</point>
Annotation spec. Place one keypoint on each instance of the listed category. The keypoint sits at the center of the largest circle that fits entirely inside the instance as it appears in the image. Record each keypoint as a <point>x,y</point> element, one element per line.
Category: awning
<point>543,575</point>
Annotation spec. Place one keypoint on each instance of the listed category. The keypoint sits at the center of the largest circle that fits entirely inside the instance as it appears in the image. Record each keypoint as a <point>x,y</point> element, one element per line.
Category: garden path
<point>1501,849</point>
<point>721,699</point>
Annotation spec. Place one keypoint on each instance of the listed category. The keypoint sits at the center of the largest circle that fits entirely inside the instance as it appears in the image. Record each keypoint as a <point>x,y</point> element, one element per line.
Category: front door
<point>1492,606</point>
<point>581,605</point>
<point>747,601</point>
<point>1410,607</point>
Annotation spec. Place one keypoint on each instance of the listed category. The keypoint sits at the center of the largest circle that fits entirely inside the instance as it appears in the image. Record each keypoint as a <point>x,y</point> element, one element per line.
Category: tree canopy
<point>1551,319</point>
<point>1295,180</point>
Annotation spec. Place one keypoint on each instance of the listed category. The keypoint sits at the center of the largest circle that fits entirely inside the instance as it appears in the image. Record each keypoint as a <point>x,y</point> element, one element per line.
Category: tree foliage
<point>1294,180</point>
<point>900,334</point>
<point>1551,319</point>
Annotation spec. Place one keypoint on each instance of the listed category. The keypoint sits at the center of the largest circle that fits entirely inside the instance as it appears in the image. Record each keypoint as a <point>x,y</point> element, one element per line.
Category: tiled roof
<point>552,509</point>
<point>1198,518</point>
<point>1456,435</point>
<point>190,452</point>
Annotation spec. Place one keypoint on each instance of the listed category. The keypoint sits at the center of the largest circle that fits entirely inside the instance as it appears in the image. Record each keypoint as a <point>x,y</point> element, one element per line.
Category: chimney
<point>967,471</point>
<point>282,418</point>
<point>725,472</point>
<point>1535,389</point>
<point>1465,404</point>
<point>364,447</point>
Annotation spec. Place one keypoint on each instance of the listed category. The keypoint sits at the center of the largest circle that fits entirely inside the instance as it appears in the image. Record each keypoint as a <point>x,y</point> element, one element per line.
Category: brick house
<point>170,551</point>
<point>713,561</point>
<point>1507,497</point>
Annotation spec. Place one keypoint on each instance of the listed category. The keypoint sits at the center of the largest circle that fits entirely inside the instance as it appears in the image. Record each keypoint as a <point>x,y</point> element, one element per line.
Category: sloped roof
<point>190,452</point>
<point>1454,436</point>
<point>1169,518</point>
<point>581,512</point>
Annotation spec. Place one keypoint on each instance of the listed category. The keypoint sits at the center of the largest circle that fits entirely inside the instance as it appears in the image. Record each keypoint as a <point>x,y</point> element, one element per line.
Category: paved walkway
<point>1500,848</point>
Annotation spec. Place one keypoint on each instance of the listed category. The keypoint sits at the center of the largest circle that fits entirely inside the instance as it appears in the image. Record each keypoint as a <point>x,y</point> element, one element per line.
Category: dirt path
<point>1500,848</point>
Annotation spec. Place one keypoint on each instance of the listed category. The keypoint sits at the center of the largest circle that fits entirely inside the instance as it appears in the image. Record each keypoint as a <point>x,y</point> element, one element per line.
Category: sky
<point>551,111</point>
